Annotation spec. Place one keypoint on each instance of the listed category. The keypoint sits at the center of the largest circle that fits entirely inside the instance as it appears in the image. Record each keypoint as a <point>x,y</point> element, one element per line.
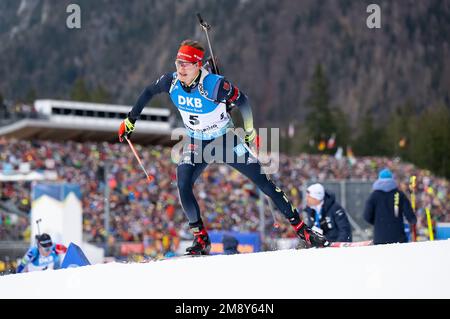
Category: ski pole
<point>205,26</point>
<point>430,224</point>
<point>138,158</point>
<point>412,188</point>
<point>37,224</point>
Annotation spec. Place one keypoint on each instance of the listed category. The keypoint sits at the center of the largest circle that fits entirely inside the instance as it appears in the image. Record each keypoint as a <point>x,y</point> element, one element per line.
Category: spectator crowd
<point>150,212</point>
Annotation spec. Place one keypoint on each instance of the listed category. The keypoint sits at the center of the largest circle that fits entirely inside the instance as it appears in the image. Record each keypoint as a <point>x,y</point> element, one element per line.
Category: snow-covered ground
<point>414,270</point>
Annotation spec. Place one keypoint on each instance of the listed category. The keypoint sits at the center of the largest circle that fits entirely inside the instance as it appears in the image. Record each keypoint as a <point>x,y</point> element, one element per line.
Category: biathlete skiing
<point>203,99</point>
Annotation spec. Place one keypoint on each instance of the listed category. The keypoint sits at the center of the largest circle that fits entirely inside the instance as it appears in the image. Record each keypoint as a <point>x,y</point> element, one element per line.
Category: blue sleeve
<point>232,95</point>
<point>29,257</point>
<point>160,85</point>
<point>56,261</point>
<point>20,268</point>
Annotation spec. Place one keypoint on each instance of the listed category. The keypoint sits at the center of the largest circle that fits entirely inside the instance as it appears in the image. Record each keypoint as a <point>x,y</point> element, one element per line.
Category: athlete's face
<point>45,251</point>
<point>187,71</point>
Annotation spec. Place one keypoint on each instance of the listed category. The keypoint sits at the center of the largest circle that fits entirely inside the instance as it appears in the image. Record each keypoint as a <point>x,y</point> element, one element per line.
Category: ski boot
<point>311,237</point>
<point>201,244</point>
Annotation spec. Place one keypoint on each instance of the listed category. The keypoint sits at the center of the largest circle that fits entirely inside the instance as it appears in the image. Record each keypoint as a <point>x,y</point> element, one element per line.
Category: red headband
<point>190,54</point>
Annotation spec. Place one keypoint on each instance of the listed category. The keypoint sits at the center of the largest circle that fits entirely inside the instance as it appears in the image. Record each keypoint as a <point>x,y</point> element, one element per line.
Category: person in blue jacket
<point>44,255</point>
<point>325,213</point>
<point>386,209</point>
<point>204,101</point>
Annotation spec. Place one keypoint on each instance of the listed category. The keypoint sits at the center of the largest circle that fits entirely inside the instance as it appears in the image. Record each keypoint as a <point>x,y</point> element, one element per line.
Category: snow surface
<point>413,270</point>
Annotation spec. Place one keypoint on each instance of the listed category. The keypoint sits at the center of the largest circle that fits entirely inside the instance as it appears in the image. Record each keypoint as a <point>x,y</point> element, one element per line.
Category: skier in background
<point>44,255</point>
<point>203,100</point>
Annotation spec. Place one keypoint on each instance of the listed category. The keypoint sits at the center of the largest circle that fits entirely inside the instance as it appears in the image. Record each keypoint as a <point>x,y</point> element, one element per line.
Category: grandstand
<point>229,201</point>
<point>80,121</point>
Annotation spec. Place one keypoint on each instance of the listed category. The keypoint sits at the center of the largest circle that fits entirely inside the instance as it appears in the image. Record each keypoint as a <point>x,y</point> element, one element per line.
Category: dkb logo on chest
<point>189,101</point>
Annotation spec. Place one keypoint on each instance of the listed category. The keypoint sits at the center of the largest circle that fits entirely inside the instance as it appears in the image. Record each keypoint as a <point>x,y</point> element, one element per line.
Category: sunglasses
<point>179,63</point>
<point>46,249</point>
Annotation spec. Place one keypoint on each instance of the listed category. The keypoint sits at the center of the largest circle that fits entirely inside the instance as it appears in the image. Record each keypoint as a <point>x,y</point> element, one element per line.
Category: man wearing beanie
<point>326,214</point>
<point>386,208</point>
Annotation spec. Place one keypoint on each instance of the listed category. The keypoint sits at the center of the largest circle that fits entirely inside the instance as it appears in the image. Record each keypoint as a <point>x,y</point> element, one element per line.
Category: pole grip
<point>202,22</point>
<point>206,27</point>
<point>37,224</point>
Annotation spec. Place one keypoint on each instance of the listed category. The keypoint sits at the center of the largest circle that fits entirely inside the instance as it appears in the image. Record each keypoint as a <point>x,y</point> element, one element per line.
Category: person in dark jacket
<point>326,214</point>
<point>386,208</point>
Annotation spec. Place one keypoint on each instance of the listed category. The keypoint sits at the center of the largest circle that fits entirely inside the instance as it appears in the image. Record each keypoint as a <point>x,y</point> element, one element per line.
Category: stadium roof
<point>77,121</point>
<point>41,129</point>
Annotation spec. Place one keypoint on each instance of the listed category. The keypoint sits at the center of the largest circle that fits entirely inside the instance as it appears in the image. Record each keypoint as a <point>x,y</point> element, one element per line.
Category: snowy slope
<point>414,270</point>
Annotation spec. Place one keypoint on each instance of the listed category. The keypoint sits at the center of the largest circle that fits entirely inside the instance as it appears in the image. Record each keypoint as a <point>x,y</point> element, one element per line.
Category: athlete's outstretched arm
<point>159,86</point>
<point>26,260</point>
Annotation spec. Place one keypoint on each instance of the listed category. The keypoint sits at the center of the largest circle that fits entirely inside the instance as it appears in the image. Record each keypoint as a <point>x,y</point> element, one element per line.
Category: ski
<point>181,257</point>
<point>332,245</point>
<point>350,244</point>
